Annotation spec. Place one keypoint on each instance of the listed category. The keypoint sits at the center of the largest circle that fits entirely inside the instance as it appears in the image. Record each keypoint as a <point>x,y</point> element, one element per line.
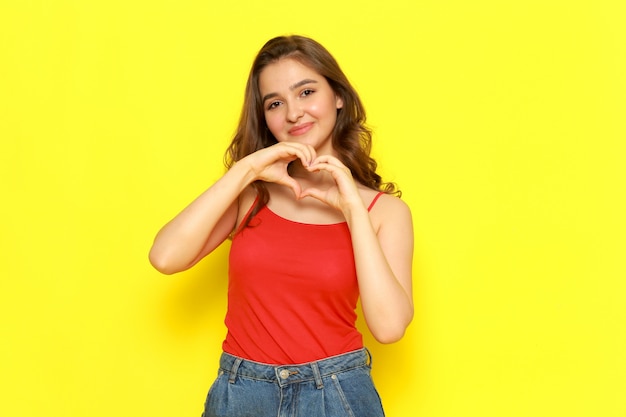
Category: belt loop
<point>233,370</point>
<point>317,375</point>
<point>369,356</point>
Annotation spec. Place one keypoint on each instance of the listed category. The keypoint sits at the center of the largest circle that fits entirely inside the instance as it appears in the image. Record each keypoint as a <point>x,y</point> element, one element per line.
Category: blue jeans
<point>333,387</point>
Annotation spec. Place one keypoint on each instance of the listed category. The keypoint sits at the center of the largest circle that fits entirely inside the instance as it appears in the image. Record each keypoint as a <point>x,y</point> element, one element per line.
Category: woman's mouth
<point>300,129</point>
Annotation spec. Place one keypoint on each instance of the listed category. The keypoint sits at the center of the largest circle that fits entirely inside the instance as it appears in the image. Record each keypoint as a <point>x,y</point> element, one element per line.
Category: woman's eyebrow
<point>293,87</point>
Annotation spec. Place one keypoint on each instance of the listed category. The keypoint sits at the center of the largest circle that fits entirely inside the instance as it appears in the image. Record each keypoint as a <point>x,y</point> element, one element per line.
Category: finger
<point>334,170</point>
<point>294,185</point>
<point>328,159</point>
<point>290,151</point>
<point>311,154</point>
<point>305,153</point>
<point>315,193</point>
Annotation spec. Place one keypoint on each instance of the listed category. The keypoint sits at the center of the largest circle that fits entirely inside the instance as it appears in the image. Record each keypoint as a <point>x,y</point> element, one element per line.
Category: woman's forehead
<point>286,73</point>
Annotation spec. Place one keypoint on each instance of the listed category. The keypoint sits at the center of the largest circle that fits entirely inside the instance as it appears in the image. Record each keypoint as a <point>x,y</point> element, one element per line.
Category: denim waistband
<point>289,374</point>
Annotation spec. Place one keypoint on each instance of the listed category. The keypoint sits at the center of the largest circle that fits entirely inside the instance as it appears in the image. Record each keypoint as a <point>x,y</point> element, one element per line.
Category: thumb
<point>294,185</point>
<point>313,192</point>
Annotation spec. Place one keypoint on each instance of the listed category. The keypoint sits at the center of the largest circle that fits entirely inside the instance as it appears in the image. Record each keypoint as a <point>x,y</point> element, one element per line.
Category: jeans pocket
<point>342,396</point>
<point>357,393</point>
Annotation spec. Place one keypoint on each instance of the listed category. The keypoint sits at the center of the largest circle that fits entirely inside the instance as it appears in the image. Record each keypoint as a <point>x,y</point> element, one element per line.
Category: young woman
<point>313,228</point>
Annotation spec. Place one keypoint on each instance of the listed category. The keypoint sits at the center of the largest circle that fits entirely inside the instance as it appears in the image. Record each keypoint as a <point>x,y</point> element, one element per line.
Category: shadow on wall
<point>389,362</point>
<point>194,302</point>
<point>400,369</point>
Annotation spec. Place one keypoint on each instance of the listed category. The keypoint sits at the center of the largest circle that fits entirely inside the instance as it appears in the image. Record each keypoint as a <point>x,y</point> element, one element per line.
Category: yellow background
<point>504,123</point>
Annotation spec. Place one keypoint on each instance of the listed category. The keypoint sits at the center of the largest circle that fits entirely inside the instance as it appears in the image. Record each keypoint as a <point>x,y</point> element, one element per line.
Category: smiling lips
<point>300,129</point>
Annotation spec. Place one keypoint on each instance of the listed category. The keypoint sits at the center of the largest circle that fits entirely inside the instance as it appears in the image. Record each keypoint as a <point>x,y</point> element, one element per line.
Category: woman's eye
<point>273,105</point>
<point>307,92</point>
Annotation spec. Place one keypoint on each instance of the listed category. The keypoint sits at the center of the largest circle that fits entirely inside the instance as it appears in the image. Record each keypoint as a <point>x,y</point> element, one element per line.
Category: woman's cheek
<point>274,126</point>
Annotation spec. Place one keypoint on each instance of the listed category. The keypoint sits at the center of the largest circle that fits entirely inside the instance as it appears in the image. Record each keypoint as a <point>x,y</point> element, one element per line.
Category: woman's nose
<point>294,112</point>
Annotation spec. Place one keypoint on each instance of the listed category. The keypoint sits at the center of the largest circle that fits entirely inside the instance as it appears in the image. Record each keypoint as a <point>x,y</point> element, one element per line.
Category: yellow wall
<point>503,122</point>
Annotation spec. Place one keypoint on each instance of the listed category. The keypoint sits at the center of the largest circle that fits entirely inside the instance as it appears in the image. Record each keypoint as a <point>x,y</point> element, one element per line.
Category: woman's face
<point>299,104</point>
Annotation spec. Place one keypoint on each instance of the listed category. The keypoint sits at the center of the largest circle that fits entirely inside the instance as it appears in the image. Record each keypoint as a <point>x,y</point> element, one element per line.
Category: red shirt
<point>292,291</point>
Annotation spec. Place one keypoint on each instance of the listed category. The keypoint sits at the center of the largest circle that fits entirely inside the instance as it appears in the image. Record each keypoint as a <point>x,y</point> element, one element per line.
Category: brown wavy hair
<point>351,138</point>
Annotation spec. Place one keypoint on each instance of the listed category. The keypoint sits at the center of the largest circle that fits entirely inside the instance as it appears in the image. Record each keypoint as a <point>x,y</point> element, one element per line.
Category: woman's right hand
<point>270,164</point>
<point>210,218</point>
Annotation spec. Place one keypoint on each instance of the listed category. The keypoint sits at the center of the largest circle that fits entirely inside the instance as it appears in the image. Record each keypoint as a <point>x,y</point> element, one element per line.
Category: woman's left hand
<point>344,194</point>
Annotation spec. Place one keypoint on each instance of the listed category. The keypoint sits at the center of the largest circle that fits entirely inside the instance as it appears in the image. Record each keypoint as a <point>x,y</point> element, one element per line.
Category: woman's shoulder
<point>377,198</point>
<point>245,202</point>
<point>386,208</point>
<point>248,195</point>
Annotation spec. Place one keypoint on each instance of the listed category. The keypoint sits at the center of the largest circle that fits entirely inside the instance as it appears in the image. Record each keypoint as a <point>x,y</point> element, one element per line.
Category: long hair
<point>351,138</point>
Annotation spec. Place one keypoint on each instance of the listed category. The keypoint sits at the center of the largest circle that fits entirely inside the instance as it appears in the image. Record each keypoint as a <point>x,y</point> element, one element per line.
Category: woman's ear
<point>338,102</point>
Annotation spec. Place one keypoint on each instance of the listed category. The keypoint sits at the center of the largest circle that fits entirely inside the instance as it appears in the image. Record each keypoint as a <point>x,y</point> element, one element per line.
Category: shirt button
<point>284,374</point>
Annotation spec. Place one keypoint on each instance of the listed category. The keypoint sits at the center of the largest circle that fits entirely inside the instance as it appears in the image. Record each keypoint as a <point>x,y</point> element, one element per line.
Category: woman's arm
<point>202,226</point>
<point>205,223</point>
<point>384,260</point>
<point>383,253</point>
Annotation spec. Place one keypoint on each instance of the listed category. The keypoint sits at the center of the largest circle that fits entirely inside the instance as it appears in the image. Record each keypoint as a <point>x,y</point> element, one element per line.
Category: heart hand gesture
<point>343,193</point>
<point>270,164</point>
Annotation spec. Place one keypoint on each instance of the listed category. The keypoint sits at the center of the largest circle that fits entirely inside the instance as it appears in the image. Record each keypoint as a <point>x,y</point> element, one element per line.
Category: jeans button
<point>284,374</point>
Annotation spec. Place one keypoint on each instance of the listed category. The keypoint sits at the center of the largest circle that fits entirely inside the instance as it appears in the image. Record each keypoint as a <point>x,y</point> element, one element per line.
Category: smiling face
<point>299,105</point>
